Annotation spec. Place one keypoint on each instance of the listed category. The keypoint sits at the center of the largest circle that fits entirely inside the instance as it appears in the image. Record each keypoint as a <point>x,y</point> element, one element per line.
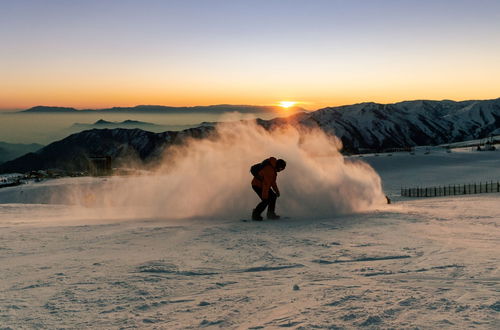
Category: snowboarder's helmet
<point>280,165</point>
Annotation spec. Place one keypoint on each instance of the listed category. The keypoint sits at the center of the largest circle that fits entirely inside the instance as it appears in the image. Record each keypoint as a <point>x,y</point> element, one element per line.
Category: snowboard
<point>250,220</point>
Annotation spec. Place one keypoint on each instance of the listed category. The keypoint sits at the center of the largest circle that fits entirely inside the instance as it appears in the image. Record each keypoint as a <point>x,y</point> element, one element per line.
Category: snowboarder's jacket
<point>267,178</point>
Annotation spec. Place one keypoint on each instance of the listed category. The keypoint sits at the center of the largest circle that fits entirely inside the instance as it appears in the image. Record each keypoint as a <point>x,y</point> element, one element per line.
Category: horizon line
<point>237,105</point>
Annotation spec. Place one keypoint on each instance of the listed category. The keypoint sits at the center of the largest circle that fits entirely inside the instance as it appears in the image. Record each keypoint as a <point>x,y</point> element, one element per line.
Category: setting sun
<point>287,104</point>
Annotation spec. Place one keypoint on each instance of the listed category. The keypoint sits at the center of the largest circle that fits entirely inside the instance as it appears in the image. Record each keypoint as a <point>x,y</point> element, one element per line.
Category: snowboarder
<point>264,179</point>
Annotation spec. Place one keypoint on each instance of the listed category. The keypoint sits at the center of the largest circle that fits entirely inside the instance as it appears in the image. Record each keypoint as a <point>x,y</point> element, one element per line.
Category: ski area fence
<point>452,190</point>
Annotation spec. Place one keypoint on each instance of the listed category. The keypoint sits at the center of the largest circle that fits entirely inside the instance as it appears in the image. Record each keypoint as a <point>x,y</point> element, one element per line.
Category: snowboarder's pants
<point>270,202</point>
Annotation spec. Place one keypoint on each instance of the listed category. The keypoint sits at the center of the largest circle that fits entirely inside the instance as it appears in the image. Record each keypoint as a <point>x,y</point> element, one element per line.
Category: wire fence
<point>452,190</point>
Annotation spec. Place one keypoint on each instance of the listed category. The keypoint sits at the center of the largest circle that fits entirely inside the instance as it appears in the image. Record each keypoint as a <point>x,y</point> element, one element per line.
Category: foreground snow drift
<point>427,263</point>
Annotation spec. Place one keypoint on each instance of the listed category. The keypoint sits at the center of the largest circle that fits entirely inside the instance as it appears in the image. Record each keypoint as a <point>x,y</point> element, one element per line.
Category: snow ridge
<point>410,123</point>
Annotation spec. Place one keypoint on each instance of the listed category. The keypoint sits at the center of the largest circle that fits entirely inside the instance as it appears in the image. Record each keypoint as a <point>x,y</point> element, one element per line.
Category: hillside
<point>73,152</point>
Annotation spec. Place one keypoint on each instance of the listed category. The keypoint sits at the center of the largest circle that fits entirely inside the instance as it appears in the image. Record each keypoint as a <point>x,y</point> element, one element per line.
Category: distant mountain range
<point>222,108</point>
<point>101,123</point>
<point>9,151</point>
<point>361,126</point>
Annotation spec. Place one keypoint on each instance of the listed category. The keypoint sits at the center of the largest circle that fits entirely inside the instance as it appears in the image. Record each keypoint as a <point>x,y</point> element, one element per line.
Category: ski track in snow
<point>418,263</point>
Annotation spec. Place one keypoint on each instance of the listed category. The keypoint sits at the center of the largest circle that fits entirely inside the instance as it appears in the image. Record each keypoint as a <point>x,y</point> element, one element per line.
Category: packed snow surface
<point>416,263</point>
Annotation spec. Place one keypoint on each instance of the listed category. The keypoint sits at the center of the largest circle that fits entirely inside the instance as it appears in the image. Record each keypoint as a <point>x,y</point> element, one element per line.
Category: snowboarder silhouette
<point>264,178</point>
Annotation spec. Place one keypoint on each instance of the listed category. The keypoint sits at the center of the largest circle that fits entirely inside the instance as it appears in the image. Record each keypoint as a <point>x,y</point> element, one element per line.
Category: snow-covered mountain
<point>409,123</point>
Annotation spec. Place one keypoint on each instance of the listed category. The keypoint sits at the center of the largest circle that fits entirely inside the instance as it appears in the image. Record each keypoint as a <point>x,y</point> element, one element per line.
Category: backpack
<point>255,169</point>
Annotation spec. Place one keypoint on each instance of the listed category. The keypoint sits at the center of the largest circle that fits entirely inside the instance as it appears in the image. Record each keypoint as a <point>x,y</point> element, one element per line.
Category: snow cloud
<point>210,178</point>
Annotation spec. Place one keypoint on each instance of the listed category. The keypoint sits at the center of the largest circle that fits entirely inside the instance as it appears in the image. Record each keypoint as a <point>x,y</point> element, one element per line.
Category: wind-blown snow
<point>211,178</point>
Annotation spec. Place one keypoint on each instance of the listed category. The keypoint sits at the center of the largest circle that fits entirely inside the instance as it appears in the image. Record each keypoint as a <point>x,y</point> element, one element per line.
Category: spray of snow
<point>210,178</point>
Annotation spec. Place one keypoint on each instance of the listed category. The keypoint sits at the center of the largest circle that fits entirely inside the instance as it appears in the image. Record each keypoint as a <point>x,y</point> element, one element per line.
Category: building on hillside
<point>100,165</point>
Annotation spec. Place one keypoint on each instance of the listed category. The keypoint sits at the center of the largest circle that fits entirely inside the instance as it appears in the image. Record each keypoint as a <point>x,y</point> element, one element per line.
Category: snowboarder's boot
<point>273,216</point>
<point>256,216</point>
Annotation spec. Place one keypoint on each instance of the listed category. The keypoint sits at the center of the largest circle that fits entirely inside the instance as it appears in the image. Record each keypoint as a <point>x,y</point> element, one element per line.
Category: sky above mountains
<point>92,53</point>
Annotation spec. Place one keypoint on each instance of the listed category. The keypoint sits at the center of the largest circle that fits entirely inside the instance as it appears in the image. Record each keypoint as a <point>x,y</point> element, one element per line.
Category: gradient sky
<point>103,53</point>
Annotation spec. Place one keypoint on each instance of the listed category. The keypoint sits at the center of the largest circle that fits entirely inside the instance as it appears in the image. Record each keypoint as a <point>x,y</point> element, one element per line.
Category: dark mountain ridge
<point>73,153</point>
<point>9,151</point>
<point>101,123</point>
<point>221,108</point>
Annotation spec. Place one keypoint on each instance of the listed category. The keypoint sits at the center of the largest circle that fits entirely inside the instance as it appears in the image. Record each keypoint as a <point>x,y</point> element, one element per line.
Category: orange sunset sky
<point>95,54</point>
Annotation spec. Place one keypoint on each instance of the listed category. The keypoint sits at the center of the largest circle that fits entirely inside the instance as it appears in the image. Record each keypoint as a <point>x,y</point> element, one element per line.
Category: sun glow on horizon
<point>287,104</point>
